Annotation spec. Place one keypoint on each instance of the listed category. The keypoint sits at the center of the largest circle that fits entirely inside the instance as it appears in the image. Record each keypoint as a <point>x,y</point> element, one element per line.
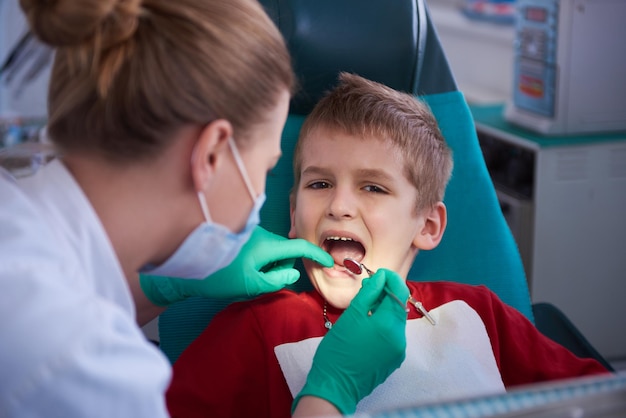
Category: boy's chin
<point>339,301</point>
<point>336,288</point>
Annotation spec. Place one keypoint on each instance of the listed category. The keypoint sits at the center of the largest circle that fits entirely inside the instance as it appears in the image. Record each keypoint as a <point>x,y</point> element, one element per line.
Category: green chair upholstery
<point>392,42</point>
<point>552,322</point>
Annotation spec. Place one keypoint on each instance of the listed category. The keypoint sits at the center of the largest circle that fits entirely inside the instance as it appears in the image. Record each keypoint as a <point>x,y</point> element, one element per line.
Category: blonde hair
<point>129,73</point>
<point>363,108</point>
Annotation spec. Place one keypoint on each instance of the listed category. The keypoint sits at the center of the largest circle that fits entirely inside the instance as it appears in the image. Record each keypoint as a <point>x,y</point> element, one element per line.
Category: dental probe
<point>357,268</point>
<point>418,305</point>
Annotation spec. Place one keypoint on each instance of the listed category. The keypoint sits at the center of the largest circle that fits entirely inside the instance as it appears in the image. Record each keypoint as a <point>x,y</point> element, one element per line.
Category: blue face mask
<point>211,246</point>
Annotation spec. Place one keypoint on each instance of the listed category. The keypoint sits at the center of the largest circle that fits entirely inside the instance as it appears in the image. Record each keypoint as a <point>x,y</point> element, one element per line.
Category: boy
<point>371,167</point>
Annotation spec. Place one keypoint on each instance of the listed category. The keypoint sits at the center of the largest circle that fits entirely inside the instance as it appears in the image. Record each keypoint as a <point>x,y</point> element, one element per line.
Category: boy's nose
<point>342,203</point>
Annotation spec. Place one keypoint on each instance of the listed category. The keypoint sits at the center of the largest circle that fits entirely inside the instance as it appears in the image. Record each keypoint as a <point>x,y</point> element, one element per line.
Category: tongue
<point>341,250</point>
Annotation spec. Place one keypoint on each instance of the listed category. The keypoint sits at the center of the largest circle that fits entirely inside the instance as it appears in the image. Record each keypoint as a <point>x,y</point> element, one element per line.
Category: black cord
<point>15,52</point>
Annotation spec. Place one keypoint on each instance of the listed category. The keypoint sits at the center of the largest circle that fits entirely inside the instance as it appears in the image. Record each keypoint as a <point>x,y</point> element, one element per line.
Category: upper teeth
<point>340,238</point>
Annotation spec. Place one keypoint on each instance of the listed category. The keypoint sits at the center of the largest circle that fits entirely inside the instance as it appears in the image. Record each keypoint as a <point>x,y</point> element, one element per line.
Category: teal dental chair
<point>395,43</point>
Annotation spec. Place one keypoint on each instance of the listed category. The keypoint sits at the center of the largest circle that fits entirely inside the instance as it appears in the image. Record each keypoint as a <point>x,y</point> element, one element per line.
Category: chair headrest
<point>378,40</point>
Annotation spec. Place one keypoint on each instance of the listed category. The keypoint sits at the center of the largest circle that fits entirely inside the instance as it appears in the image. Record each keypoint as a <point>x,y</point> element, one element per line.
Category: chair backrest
<point>395,43</point>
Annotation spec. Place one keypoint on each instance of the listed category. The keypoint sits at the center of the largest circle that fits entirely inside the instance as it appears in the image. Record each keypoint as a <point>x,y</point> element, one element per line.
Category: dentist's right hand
<point>364,346</point>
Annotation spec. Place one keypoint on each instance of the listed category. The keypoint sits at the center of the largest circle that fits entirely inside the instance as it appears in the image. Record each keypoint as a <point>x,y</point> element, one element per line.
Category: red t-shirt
<point>231,369</point>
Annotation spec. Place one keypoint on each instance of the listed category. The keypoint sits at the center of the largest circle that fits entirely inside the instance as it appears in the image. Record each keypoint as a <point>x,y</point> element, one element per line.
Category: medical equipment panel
<point>569,66</point>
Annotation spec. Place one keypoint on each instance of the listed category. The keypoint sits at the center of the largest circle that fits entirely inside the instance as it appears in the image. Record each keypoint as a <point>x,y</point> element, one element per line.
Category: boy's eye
<point>318,185</point>
<point>374,189</point>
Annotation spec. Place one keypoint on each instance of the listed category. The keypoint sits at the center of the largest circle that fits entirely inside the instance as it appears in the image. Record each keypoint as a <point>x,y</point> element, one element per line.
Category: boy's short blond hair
<point>364,108</point>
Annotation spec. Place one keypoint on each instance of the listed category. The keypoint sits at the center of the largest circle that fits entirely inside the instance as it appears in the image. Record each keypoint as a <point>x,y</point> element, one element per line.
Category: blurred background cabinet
<point>565,201</point>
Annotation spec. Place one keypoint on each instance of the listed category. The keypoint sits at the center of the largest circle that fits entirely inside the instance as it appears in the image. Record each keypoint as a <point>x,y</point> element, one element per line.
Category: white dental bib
<point>453,359</point>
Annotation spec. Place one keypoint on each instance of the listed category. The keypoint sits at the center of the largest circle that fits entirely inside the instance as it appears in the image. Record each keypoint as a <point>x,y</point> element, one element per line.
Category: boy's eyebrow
<point>315,170</point>
<point>370,173</point>
<point>374,173</point>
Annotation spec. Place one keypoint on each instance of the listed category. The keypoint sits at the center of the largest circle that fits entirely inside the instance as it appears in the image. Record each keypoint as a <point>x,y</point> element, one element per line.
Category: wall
<point>31,100</point>
<point>479,52</point>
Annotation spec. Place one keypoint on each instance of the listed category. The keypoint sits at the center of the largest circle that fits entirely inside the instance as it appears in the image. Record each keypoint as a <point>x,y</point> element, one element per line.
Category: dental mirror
<point>357,268</point>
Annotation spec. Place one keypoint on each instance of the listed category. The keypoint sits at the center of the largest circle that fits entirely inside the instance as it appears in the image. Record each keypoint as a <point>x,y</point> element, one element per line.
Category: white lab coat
<point>69,344</point>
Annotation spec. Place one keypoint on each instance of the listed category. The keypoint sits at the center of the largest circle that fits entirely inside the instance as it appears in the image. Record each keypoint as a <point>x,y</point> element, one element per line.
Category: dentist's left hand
<point>264,264</point>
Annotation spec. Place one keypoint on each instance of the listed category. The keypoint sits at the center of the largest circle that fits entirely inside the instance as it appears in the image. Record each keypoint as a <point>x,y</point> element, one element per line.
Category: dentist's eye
<point>318,185</point>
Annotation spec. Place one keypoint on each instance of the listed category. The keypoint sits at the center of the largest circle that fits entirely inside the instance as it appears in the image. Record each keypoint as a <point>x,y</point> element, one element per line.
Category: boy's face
<point>353,200</point>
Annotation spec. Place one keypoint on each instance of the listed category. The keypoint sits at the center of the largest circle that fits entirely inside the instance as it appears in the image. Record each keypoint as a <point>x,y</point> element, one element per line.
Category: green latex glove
<point>264,264</point>
<point>360,351</point>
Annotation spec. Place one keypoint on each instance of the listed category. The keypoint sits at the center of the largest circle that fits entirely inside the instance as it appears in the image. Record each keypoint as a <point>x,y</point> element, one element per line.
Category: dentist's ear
<point>209,152</point>
<point>431,232</point>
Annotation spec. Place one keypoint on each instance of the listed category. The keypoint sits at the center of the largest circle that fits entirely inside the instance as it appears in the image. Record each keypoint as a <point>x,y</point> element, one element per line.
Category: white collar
<point>66,209</point>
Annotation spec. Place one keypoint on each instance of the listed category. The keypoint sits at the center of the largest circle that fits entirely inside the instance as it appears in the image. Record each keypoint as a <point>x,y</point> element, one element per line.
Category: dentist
<point>167,116</point>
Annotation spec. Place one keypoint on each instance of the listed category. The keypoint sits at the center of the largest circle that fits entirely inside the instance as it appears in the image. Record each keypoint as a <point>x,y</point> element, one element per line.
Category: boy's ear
<point>431,232</point>
<point>209,152</point>
<point>292,229</point>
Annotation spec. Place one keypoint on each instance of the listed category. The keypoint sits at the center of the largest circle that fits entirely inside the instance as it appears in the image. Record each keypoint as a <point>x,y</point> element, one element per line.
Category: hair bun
<point>63,23</point>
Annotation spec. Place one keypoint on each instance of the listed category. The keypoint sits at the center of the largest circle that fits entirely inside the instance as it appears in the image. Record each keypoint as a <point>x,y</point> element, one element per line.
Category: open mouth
<point>341,247</point>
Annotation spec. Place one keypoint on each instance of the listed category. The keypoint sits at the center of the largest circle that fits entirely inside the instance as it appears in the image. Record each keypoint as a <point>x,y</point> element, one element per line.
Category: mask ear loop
<point>204,206</point>
<point>241,167</point>
<point>242,171</point>
<point>201,197</point>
